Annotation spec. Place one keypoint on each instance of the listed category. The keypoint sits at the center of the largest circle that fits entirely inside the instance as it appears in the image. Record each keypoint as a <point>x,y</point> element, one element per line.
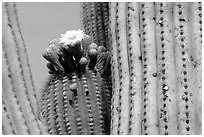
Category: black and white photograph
<point>101,68</point>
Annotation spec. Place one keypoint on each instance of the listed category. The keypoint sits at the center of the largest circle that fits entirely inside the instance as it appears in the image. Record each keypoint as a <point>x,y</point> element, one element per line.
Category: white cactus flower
<point>72,37</point>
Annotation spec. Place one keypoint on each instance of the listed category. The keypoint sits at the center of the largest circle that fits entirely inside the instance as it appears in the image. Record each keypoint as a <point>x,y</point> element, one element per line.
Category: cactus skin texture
<point>156,68</point>
<point>74,110</point>
<point>19,101</point>
<point>155,55</point>
<point>95,21</point>
<point>77,98</point>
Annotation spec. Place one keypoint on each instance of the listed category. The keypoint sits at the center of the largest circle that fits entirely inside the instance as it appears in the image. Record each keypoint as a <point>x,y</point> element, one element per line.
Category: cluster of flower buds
<point>72,52</point>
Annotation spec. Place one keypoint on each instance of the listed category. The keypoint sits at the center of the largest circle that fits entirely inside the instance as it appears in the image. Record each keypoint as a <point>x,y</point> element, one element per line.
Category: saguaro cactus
<point>156,68</point>
<point>155,53</point>
<point>19,101</point>
<point>76,99</point>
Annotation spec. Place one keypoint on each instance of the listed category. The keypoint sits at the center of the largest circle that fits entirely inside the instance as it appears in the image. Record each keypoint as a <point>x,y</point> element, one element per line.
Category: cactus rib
<point>134,55</point>
<point>114,69</point>
<point>123,68</point>
<point>196,20</point>
<point>184,70</point>
<point>149,112</point>
<point>166,70</point>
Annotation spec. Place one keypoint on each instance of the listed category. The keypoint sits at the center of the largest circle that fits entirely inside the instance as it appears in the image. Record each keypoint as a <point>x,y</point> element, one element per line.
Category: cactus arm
<point>134,54</point>
<point>23,57</point>
<point>167,107</point>
<point>184,70</point>
<point>149,112</point>
<point>18,75</point>
<point>196,26</point>
<point>114,69</point>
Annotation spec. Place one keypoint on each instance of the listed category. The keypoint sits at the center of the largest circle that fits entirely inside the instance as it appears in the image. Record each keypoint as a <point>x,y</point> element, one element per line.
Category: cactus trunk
<point>19,97</point>
<point>156,68</point>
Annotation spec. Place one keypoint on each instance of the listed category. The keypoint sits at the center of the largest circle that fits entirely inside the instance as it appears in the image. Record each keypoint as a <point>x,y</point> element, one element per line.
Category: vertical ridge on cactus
<point>18,90</point>
<point>134,55</point>
<point>149,89</point>
<point>166,70</point>
<point>105,17</point>
<point>196,20</point>
<point>114,69</point>
<point>78,119</point>
<point>99,22</point>
<point>121,41</point>
<point>184,70</point>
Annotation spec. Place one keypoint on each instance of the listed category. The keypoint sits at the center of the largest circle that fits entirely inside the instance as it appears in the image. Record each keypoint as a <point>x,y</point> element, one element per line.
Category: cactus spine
<point>19,97</point>
<point>165,38</point>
